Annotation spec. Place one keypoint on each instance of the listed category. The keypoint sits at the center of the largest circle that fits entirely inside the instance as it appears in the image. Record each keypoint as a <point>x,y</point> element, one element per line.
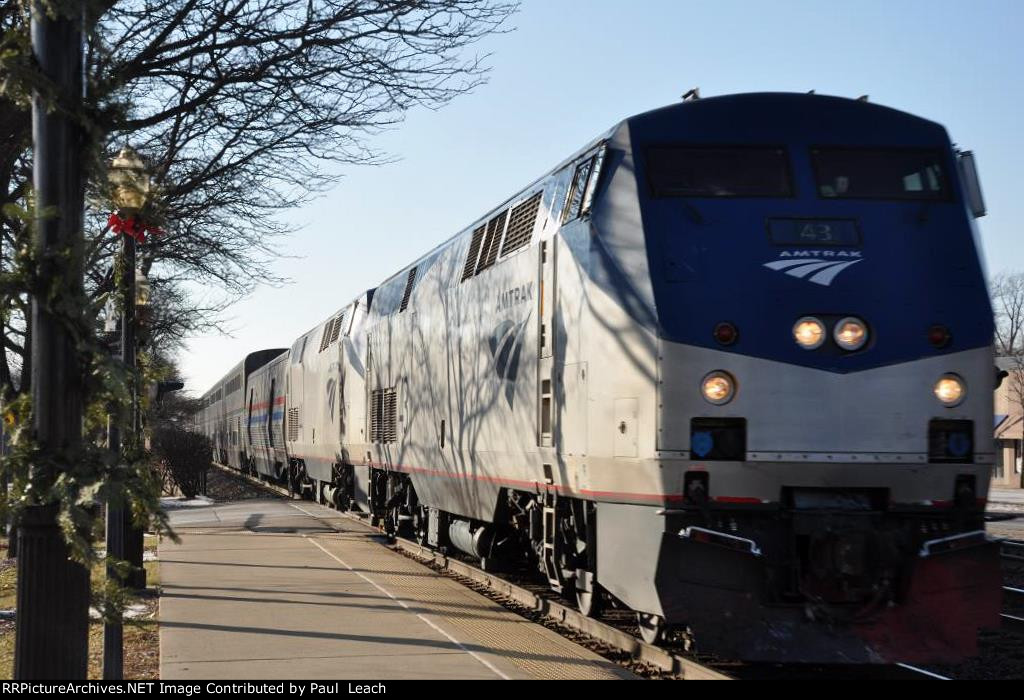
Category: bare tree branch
<point>237,106</point>
<point>1007,290</point>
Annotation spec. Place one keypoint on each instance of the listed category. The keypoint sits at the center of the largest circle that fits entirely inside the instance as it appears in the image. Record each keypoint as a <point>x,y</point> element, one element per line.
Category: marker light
<point>850,333</point>
<point>938,336</point>
<point>726,333</point>
<point>718,387</point>
<point>950,390</point>
<point>809,333</point>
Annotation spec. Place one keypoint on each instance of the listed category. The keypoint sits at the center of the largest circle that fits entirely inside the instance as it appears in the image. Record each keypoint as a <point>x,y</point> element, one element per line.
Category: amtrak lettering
<point>820,254</point>
<point>817,266</point>
<point>517,295</point>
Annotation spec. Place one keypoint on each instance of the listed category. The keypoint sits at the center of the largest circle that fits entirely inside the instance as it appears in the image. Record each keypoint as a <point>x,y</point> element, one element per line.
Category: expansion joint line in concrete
<point>398,600</point>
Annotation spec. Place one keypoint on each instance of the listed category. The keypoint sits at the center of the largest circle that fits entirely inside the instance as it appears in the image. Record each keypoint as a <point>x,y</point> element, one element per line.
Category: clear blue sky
<point>572,68</point>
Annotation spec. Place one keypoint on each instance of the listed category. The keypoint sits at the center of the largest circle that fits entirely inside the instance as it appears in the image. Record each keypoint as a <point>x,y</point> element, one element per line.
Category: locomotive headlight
<point>718,387</point>
<point>809,333</point>
<point>850,333</point>
<point>950,390</point>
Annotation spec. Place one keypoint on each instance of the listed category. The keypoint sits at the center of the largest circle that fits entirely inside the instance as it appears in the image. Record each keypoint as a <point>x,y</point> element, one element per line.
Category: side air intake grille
<point>474,252</point>
<point>390,416</point>
<point>520,224</point>
<point>383,415</point>
<point>487,239</point>
<point>331,330</point>
<point>495,227</point>
<point>408,289</point>
<point>376,414</point>
<point>293,424</point>
<point>337,327</point>
<point>325,339</point>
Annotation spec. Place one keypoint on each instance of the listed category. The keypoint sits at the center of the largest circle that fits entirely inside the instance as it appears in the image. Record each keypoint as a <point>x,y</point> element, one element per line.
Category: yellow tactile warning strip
<point>485,629</point>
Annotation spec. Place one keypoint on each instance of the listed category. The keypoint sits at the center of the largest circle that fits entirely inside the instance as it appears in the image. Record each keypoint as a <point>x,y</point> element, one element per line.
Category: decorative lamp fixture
<point>131,187</point>
<point>130,181</point>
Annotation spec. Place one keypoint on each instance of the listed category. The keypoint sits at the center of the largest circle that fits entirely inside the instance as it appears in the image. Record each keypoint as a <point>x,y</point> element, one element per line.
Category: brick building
<point>1009,428</point>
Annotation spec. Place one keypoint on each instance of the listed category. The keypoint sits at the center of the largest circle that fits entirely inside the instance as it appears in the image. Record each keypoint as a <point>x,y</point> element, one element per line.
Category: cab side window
<point>574,199</point>
<point>581,192</point>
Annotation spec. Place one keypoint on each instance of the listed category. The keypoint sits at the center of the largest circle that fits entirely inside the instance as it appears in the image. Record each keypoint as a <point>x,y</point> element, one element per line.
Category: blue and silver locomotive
<point>730,366</point>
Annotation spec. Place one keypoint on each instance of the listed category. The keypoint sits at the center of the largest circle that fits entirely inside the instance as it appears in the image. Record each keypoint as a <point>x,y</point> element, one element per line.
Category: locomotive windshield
<point>719,171</point>
<point>879,174</point>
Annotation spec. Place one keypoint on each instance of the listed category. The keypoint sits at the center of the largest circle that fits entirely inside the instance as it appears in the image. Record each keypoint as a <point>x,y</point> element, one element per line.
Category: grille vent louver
<point>376,404</point>
<point>474,252</point>
<point>384,415</point>
<point>337,327</point>
<point>495,227</point>
<point>408,289</point>
<point>390,416</point>
<point>331,331</point>
<point>326,337</point>
<point>487,239</point>
<point>293,424</point>
<point>520,225</point>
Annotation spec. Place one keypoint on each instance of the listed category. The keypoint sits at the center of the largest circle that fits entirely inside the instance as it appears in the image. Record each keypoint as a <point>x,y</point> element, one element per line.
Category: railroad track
<point>1013,550</point>
<point>607,636</point>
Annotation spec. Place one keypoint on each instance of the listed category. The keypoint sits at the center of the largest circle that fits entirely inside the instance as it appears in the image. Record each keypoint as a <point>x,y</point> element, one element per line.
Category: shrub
<point>185,458</point>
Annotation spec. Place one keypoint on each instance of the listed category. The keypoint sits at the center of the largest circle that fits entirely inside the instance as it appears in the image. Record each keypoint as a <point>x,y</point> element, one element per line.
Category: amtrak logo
<point>818,266</point>
<point>331,394</point>
<point>332,388</point>
<point>506,344</point>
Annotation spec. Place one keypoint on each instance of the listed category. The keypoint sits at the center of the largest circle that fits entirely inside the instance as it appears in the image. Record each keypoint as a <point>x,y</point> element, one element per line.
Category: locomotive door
<point>545,342</point>
<point>563,402</point>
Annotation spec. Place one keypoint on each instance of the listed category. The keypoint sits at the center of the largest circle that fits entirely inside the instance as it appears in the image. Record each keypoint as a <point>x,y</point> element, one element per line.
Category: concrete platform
<point>1006,496</point>
<point>1012,529</point>
<point>279,590</point>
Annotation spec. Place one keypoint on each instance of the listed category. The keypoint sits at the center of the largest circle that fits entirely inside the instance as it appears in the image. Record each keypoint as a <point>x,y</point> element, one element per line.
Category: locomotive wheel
<point>342,501</point>
<point>390,527</point>
<point>419,525</point>
<point>652,627</point>
<point>590,603</point>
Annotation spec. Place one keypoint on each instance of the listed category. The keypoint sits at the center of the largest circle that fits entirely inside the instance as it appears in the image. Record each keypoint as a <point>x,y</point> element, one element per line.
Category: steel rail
<point>1012,549</point>
<point>924,672</point>
<point>1012,623</point>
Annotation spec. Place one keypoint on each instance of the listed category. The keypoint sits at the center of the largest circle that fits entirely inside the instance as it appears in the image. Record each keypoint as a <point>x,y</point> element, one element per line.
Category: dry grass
<point>141,635</point>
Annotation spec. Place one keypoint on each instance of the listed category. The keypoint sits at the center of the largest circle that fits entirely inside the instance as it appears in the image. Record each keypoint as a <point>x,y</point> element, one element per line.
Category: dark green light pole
<point>130,183</point>
<point>52,637</point>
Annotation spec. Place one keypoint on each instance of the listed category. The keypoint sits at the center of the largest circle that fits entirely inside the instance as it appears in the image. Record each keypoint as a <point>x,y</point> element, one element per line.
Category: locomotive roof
<point>721,111</point>
<point>749,117</point>
<point>777,100</point>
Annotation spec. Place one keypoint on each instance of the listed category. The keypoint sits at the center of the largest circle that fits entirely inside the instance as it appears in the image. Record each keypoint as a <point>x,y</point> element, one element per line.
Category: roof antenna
<point>862,98</point>
<point>691,94</point>
<point>810,92</point>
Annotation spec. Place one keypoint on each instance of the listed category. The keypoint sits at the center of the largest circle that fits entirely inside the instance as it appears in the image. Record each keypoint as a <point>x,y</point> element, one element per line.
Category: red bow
<point>133,227</point>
